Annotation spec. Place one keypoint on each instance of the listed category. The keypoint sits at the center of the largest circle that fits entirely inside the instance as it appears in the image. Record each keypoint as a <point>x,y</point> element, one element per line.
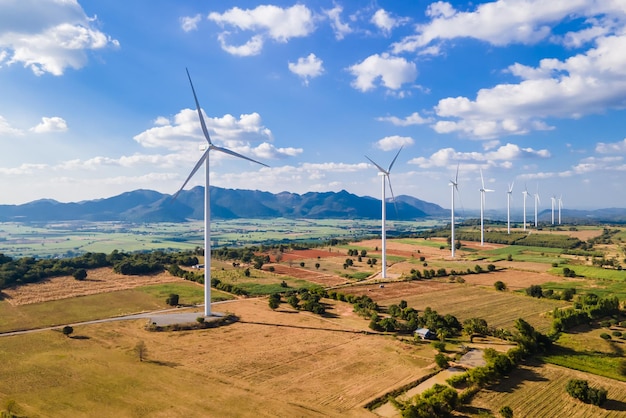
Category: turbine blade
<point>394,159</point>
<point>235,154</point>
<point>456,178</point>
<point>202,123</point>
<point>197,166</point>
<point>482,180</point>
<point>382,170</point>
<point>393,198</point>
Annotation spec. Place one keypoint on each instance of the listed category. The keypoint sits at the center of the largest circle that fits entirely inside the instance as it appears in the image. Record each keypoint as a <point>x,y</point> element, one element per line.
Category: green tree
<point>172,299</point>
<point>499,285</point>
<point>67,330</point>
<point>80,274</point>
<point>506,412</point>
<point>441,361</point>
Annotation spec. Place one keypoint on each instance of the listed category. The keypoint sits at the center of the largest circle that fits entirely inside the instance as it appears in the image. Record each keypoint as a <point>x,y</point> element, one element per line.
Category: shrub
<point>605,336</point>
<point>439,345</point>
<point>67,330</point>
<point>80,274</point>
<point>617,334</point>
<point>499,285</point>
<point>491,267</point>
<point>172,299</point>
<point>441,361</point>
<point>506,412</point>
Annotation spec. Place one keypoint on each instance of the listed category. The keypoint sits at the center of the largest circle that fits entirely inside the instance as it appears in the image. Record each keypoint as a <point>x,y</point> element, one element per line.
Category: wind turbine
<point>454,185</point>
<point>482,208</point>
<point>525,193</point>
<point>385,175</point>
<point>508,208</point>
<point>553,201</point>
<point>537,201</point>
<point>560,207</point>
<point>207,207</point>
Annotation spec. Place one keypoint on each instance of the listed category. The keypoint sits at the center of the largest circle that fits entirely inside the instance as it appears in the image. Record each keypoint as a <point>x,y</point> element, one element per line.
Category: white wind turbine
<point>454,185</point>
<point>508,207</point>
<point>553,201</point>
<point>385,176</point>
<point>482,208</point>
<point>537,201</point>
<point>525,193</point>
<point>207,206</point>
<point>560,207</point>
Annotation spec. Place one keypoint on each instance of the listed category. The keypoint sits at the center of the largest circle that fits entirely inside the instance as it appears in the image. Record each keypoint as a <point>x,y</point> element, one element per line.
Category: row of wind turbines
<point>383,173</point>
<point>385,176</point>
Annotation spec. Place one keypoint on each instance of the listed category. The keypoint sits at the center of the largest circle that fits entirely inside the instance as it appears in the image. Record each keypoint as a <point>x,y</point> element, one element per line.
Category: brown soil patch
<point>101,280</point>
<point>299,255</point>
<point>322,279</point>
<point>514,279</point>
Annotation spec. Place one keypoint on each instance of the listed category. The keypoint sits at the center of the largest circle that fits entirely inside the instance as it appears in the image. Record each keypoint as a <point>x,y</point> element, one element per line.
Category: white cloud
<point>279,24</point>
<point>340,28</point>
<point>612,148</point>
<point>389,143</point>
<point>385,22</point>
<point>393,71</point>
<point>501,157</point>
<point>413,119</point>
<point>504,22</point>
<point>49,36</point>
<point>306,68</point>
<point>254,46</point>
<point>6,129</point>
<point>189,23</point>
<point>585,83</point>
<point>53,124</point>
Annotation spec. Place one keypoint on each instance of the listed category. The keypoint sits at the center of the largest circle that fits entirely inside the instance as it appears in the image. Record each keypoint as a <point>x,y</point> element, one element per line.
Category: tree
<point>506,412</point>
<point>442,361</point>
<point>317,266</point>
<point>302,264</point>
<point>67,330</point>
<point>499,285</point>
<point>491,267</point>
<point>141,350</point>
<point>172,299</point>
<point>293,301</point>
<point>80,274</point>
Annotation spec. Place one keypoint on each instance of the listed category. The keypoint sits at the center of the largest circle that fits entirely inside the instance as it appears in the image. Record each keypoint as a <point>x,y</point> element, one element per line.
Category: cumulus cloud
<point>53,124</point>
<point>413,119</point>
<point>307,68</point>
<point>500,157</point>
<point>7,129</point>
<point>340,28</point>
<point>504,22</point>
<point>389,143</point>
<point>49,36</point>
<point>385,22</point>
<point>612,148</point>
<point>189,23</point>
<point>266,21</point>
<point>586,83</point>
<point>393,72</point>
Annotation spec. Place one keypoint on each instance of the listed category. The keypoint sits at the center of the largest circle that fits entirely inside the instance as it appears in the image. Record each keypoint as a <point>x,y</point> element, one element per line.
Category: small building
<point>424,334</point>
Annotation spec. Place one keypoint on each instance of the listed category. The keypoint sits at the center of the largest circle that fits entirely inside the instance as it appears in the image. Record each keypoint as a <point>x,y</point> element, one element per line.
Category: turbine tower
<point>560,207</point>
<point>525,193</point>
<point>385,176</point>
<point>454,185</point>
<point>482,208</point>
<point>553,201</point>
<point>207,207</point>
<point>537,201</point>
<point>508,208</point>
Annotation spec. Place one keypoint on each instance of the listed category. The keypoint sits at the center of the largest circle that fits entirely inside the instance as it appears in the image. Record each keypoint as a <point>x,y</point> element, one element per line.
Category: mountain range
<point>152,206</point>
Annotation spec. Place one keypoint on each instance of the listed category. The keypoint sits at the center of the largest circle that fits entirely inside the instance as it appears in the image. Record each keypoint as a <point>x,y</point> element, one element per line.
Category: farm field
<point>288,362</point>
<point>539,391</point>
<point>283,363</point>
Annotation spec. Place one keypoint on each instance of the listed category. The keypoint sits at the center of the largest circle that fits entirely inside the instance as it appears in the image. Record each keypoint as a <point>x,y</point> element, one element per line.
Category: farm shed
<point>424,334</point>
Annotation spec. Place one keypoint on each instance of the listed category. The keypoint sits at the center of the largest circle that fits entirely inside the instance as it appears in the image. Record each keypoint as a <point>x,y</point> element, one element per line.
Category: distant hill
<point>152,206</point>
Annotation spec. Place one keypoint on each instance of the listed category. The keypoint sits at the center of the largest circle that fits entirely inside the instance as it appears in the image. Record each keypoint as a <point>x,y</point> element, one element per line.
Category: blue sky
<point>95,101</point>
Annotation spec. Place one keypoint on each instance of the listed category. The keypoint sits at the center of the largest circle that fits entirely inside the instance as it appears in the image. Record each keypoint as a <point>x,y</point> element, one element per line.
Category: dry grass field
<point>269,364</point>
<point>276,363</point>
<point>538,391</point>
